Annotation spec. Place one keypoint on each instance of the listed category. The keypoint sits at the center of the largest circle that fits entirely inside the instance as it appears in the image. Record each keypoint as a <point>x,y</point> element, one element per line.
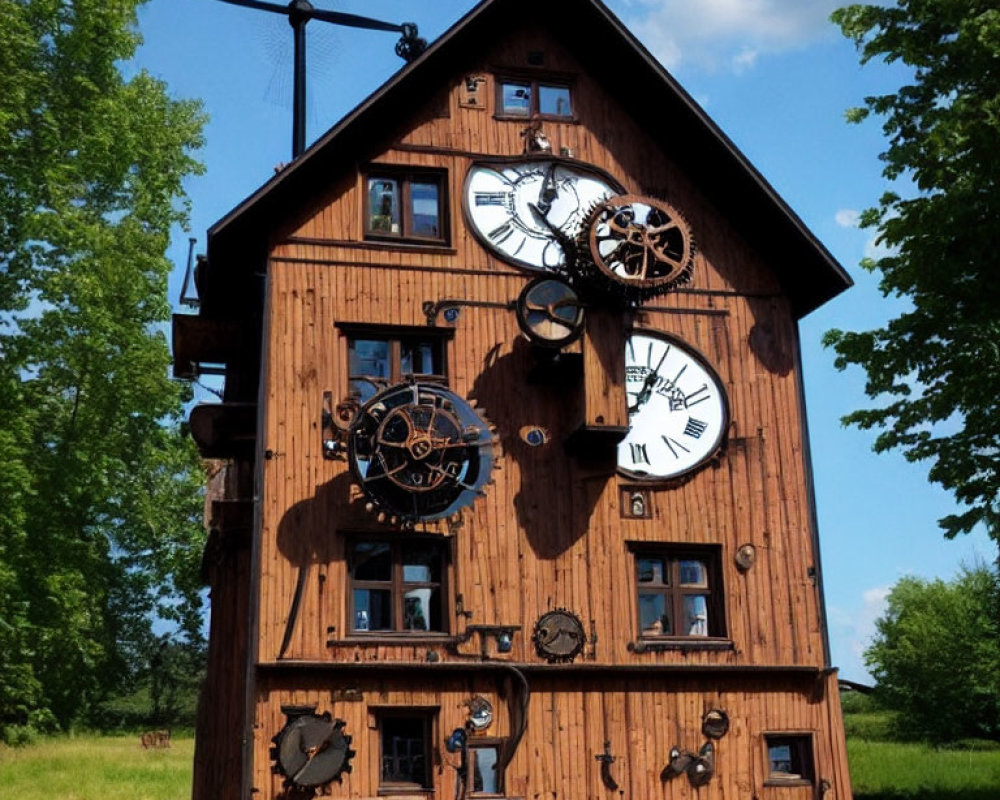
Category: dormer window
<point>406,205</point>
<point>525,98</point>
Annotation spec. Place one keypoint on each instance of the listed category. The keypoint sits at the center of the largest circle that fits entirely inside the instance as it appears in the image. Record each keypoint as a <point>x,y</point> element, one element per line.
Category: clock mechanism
<point>559,636</point>
<point>420,452</point>
<point>636,246</point>
<point>312,749</point>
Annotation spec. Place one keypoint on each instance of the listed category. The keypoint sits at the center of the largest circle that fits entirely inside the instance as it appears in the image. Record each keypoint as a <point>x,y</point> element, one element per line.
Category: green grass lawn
<point>905,771</point>
<point>91,767</point>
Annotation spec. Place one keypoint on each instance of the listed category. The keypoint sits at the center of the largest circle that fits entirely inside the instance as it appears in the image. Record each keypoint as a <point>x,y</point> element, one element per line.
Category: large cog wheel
<point>639,246</point>
<point>420,452</point>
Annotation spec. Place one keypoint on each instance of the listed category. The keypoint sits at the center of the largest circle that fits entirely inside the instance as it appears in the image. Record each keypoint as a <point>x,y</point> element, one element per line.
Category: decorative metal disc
<point>559,635</point>
<point>640,245</point>
<point>715,724</point>
<point>312,750</point>
<point>549,312</point>
<point>480,713</point>
<point>420,452</point>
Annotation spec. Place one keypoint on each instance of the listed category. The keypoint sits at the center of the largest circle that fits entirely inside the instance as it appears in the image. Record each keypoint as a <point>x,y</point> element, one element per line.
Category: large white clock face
<point>515,207</point>
<point>678,413</point>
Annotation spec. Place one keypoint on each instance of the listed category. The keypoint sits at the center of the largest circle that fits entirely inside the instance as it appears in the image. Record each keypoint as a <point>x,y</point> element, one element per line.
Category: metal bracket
<point>607,760</point>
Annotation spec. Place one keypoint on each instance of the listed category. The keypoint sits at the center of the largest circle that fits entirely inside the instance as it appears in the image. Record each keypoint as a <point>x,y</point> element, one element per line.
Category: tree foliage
<point>934,371</point>
<point>936,656</point>
<point>99,517</point>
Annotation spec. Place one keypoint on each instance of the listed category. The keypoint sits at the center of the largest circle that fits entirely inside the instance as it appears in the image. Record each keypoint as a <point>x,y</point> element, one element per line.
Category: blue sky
<point>774,74</point>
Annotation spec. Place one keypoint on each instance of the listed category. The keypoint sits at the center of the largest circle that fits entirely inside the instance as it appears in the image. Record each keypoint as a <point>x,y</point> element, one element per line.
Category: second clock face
<point>516,207</point>
<point>678,412</point>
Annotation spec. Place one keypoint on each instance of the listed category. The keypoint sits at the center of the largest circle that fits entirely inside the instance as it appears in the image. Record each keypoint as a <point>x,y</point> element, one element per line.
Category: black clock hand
<point>647,386</point>
<point>548,191</point>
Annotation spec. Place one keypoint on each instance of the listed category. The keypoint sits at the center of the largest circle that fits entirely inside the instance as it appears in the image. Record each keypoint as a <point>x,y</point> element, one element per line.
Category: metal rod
<point>298,23</point>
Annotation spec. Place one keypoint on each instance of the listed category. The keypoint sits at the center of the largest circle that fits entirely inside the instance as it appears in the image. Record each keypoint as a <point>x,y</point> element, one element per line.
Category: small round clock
<point>639,245</point>
<point>549,312</point>
<point>677,408</point>
<point>420,452</point>
<point>528,211</point>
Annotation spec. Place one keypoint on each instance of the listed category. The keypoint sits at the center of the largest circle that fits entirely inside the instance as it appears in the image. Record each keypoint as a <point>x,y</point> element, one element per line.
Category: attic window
<point>525,98</point>
<point>406,205</point>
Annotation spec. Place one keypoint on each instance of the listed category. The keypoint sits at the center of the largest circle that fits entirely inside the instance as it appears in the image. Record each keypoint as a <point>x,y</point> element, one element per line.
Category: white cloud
<point>714,34</point>
<point>846,218</point>
<point>851,632</point>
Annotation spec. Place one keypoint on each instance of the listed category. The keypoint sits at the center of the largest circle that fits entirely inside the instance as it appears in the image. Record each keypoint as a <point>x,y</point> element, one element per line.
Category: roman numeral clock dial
<point>525,211</point>
<point>677,407</point>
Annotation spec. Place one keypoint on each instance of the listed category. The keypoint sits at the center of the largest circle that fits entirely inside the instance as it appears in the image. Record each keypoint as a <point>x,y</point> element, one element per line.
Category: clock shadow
<point>555,496</point>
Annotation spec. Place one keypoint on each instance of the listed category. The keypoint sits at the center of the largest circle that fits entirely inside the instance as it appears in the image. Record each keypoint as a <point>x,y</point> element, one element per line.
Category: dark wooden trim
<point>288,666</point>
<point>381,246</point>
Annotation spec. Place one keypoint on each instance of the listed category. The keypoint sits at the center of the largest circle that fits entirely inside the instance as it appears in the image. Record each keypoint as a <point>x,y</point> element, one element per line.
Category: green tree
<point>99,519</point>
<point>934,371</point>
<point>936,656</point>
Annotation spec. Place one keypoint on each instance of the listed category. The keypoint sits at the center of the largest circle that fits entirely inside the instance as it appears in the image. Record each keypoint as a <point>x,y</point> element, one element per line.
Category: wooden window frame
<point>672,555</point>
<point>395,337</point>
<point>397,588</point>
<point>428,717</point>
<point>406,176</point>
<point>533,82</point>
<point>484,743</point>
<point>803,752</point>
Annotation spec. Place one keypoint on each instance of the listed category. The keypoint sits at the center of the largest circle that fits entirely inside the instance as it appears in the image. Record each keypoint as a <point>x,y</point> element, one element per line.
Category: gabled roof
<point>238,242</point>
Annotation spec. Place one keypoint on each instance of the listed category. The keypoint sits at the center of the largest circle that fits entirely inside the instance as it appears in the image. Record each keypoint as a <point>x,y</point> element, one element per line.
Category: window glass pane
<point>653,617</point>
<point>420,358</point>
<point>383,205</point>
<point>363,390</point>
<point>696,615</point>
<point>651,571</point>
<point>694,573</point>
<point>419,606</point>
<point>372,610</point>
<point>372,561</point>
<point>780,756</point>
<point>403,751</point>
<point>421,563</point>
<point>424,206</point>
<point>515,98</point>
<point>369,357</point>
<point>554,100</point>
<point>484,770</point>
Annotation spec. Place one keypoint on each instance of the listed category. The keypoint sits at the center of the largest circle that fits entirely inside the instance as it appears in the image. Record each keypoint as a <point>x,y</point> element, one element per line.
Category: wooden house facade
<point>517,499</point>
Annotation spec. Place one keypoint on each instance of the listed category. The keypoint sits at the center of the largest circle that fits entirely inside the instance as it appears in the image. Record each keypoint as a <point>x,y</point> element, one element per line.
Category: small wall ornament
<point>559,636</point>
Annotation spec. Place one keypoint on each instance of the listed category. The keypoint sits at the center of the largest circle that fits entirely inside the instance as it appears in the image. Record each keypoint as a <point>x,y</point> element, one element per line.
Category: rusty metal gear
<point>312,750</point>
<point>636,245</point>
<point>559,635</point>
<point>420,452</point>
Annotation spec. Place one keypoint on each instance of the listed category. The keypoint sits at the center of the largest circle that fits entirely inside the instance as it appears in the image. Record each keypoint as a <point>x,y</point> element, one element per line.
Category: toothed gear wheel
<point>312,750</point>
<point>637,246</point>
<point>559,636</point>
<point>420,452</point>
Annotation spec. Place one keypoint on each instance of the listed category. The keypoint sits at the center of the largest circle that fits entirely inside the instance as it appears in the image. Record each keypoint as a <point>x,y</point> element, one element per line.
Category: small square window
<point>377,360</point>
<point>524,98</point>
<point>404,741</point>
<point>789,758</point>
<point>678,592</point>
<point>397,586</point>
<point>483,774</point>
<point>406,205</point>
